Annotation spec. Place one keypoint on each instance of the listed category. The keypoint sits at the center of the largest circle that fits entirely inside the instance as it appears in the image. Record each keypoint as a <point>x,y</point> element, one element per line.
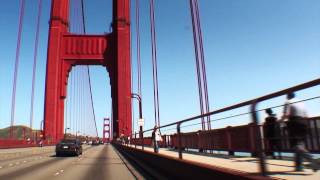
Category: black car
<point>69,147</point>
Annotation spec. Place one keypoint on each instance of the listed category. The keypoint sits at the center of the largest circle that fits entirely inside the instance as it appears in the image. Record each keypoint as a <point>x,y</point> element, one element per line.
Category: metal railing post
<point>141,137</point>
<point>135,140</point>
<point>259,141</point>
<point>179,141</point>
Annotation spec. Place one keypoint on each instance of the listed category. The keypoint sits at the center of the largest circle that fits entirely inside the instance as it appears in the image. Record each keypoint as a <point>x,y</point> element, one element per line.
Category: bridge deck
<point>283,169</point>
<point>97,162</point>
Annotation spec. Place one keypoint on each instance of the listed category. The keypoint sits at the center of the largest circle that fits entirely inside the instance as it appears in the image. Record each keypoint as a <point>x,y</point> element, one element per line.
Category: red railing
<point>236,139</point>
<point>241,138</point>
<point>15,143</point>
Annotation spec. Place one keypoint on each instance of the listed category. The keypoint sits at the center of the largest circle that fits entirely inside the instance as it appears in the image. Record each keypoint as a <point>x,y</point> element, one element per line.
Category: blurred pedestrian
<point>156,137</point>
<point>272,134</point>
<point>296,114</point>
<point>41,143</point>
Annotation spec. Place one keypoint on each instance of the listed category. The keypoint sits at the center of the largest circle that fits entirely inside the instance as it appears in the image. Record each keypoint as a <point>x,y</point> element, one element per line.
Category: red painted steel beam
<point>86,49</point>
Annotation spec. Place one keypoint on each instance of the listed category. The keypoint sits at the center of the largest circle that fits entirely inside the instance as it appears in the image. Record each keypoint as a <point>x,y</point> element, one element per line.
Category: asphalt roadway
<point>96,163</point>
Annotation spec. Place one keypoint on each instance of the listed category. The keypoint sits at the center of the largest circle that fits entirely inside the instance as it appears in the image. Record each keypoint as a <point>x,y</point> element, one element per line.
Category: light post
<point>77,134</point>
<point>65,132</point>
<point>41,129</point>
<point>138,97</point>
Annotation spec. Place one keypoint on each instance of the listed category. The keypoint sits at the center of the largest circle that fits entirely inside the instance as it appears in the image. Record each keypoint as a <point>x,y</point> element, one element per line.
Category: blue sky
<point>251,48</point>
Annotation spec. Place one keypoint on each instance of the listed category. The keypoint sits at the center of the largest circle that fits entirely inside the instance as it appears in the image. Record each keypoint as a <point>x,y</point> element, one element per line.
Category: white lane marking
<point>10,165</point>
<point>0,167</point>
<point>59,172</point>
<point>17,163</point>
<point>24,161</point>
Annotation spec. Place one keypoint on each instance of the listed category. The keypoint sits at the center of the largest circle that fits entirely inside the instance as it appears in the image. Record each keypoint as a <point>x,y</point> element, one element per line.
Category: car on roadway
<point>95,143</point>
<point>69,147</point>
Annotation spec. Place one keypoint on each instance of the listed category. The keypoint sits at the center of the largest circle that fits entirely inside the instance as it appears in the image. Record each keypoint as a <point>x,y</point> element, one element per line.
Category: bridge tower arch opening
<point>66,50</point>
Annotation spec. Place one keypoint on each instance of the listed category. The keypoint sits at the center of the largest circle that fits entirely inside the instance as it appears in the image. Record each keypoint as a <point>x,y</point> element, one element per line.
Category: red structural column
<point>53,100</point>
<point>122,68</point>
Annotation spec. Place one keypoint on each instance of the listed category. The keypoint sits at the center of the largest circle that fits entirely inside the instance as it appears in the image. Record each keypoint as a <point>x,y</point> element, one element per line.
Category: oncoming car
<point>69,147</point>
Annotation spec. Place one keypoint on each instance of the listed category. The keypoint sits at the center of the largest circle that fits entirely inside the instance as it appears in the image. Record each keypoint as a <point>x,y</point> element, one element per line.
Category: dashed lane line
<point>59,172</point>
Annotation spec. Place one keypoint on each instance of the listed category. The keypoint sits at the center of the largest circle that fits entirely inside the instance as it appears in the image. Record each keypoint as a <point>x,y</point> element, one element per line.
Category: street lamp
<point>138,97</point>
<point>65,132</point>
<point>77,134</point>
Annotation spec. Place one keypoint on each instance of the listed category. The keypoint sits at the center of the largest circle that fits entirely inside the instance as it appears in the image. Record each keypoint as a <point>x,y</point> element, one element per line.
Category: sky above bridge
<point>251,48</point>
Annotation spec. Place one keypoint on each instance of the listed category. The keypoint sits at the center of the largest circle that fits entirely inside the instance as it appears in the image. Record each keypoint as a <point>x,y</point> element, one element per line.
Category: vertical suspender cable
<point>73,101</point>
<point>200,63</point>
<point>80,99</point>
<point>138,46</point>
<point>35,62</point>
<point>70,100</point>
<point>154,64</point>
<point>132,106</point>
<point>197,63</point>
<point>21,15</point>
<point>138,54</point>
<point>203,63</point>
<point>76,99</point>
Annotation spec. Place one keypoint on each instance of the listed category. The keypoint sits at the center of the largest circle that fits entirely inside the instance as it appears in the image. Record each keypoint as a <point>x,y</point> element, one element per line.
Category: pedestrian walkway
<point>283,169</point>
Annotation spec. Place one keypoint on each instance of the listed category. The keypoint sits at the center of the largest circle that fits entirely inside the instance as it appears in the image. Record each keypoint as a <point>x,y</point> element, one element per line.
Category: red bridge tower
<point>66,50</point>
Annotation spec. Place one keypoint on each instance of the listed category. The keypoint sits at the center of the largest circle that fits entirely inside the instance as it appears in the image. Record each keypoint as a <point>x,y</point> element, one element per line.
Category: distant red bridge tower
<point>106,130</point>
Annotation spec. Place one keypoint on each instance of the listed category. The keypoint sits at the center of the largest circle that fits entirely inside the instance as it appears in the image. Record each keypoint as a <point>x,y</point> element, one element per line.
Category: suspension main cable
<point>88,69</point>
<point>91,99</point>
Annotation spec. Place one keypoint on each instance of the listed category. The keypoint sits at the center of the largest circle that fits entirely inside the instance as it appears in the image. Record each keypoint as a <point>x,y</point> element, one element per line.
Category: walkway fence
<point>235,139</point>
<point>246,138</point>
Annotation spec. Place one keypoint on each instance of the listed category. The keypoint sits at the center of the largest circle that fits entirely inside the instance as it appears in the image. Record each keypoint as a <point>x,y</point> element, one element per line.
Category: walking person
<point>272,134</point>
<point>296,113</point>
<point>156,137</point>
<point>40,143</point>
